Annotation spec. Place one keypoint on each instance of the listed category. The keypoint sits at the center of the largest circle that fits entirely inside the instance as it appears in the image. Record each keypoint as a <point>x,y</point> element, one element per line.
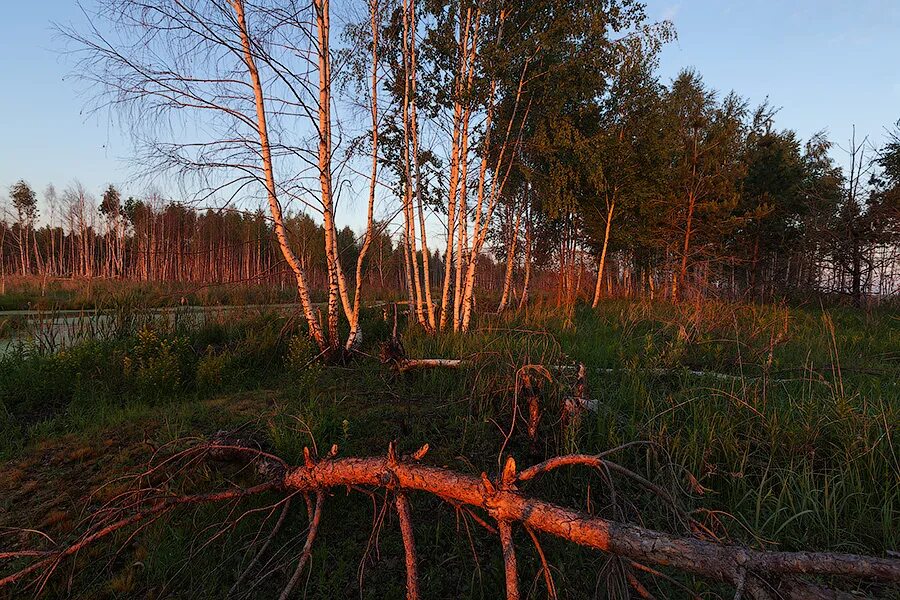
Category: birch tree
<point>251,80</point>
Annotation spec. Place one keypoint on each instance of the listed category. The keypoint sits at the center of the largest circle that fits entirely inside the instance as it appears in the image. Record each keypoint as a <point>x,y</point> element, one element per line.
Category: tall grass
<point>786,419</point>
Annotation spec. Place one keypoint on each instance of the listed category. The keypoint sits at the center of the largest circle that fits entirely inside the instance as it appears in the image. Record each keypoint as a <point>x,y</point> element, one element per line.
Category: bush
<point>213,370</point>
<point>160,364</point>
<point>301,362</point>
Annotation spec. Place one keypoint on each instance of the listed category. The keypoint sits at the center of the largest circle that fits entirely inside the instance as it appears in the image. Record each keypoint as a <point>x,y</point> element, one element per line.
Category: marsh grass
<point>772,426</point>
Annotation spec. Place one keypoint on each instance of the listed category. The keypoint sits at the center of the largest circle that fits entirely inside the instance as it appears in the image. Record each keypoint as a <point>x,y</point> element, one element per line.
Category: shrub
<point>213,370</point>
<point>160,364</point>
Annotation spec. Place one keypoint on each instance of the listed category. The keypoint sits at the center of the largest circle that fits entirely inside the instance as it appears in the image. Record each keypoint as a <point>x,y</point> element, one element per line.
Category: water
<point>51,331</point>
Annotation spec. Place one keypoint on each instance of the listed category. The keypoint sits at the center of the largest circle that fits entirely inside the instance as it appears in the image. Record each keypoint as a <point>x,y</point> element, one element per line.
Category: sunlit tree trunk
<point>2,261</point>
<point>611,207</point>
<point>274,205</point>
<point>462,220</point>
<point>337,288</point>
<point>462,243</point>
<point>457,160</point>
<point>486,203</point>
<point>409,214</point>
<point>355,337</point>
<point>523,301</point>
<point>469,282</point>
<point>410,30</point>
<point>678,282</point>
<point>510,261</point>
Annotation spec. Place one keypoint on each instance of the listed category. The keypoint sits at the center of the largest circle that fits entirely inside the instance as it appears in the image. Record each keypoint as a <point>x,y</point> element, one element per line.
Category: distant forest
<point>550,161</point>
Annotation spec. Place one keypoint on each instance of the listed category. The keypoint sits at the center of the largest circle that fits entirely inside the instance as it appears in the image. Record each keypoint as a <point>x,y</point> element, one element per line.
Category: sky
<point>828,64</point>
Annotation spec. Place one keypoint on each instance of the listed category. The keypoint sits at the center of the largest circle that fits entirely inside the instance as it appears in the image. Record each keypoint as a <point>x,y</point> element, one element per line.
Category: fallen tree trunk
<point>408,364</point>
<point>506,503</point>
<point>402,364</point>
<point>759,574</point>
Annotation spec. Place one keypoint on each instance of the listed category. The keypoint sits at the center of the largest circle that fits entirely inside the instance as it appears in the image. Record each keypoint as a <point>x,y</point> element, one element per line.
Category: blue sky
<point>44,137</point>
<point>827,63</point>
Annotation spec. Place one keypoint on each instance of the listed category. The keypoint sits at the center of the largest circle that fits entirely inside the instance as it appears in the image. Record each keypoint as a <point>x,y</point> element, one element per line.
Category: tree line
<point>154,239</point>
<point>521,146</point>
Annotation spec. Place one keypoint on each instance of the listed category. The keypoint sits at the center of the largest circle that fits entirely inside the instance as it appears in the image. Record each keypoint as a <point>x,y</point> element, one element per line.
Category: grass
<point>797,448</point>
<point>36,293</point>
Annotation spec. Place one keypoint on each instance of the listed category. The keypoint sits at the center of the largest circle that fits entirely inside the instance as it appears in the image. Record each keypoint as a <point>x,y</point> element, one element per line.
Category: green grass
<point>797,449</point>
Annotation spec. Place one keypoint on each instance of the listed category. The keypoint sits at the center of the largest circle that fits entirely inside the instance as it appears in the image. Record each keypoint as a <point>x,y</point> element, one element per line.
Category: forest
<point>472,247</point>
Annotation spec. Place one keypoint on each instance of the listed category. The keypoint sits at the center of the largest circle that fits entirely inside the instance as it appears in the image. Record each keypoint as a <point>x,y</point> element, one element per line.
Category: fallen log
<point>725,563</point>
<point>757,573</point>
<point>401,363</point>
<point>410,364</point>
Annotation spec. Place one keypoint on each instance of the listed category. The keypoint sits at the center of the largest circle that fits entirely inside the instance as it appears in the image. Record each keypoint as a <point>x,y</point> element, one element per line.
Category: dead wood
<point>756,573</point>
<point>716,561</point>
<point>394,355</point>
<point>545,567</point>
<point>401,363</point>
<point>262,551</point>
<point>431,363</point>
<point>509,560</point>
<point>307,547</point>
<point>45,567</point>
<point>409,546</point>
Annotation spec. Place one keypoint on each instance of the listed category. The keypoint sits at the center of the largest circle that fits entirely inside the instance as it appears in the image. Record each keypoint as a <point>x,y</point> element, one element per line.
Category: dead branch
<point>403,363</point>
<point>509,560</point>
<point>597,462</point>
<point>638,587</point>
<point>717,561</point>
<point>262,551</point>
<point>159,507</point>
<point>409,546</point>
<point>545,567</point>
<point>307,547</point>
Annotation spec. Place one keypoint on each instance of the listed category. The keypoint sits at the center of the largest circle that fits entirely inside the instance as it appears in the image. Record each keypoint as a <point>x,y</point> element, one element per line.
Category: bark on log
<point>430,363</point>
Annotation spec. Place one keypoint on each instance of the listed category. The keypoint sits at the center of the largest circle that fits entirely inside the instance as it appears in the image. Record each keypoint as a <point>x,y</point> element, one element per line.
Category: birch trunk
<point>463,255</point>
<point>451,220</point>
<point>274,205</point>
<point>414,139</point>
<point>510,262</point>
<point>408,208</point>
<point>469,284</point>
<point>609,218</point>
<point>481,226</point>
<point>462,240</point>
<point>354,339</point>
<point>337,289</point>
<point>523,302</point>
<point>456,157</point>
